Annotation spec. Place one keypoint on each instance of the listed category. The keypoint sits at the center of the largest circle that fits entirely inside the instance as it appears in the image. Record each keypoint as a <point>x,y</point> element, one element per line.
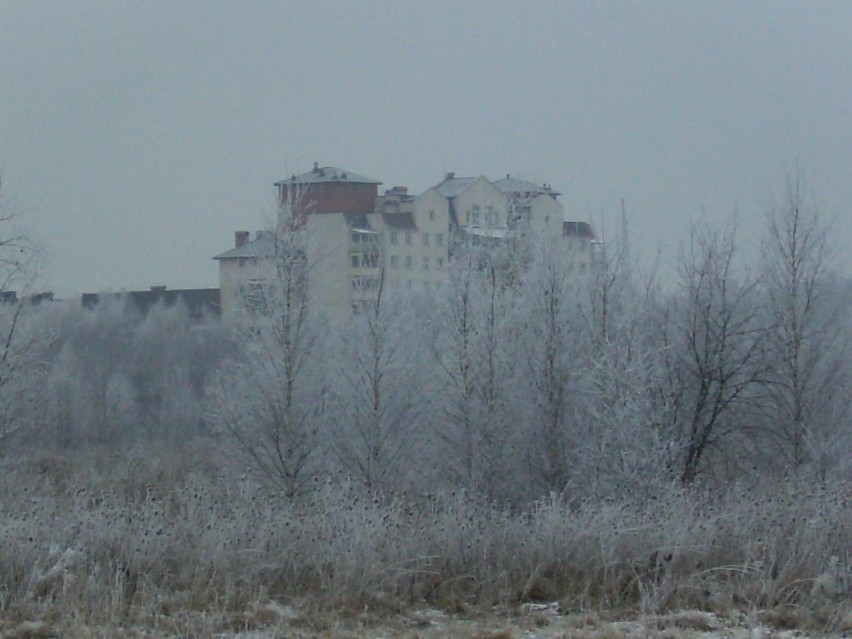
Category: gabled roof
<point>327,174</point>
<point>399,221</point>
<point>261,246</point>
<point>452,186</point>
<point>514,185</point>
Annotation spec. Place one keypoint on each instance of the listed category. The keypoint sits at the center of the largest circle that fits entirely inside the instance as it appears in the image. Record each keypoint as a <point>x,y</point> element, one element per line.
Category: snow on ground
<point>531,621</point>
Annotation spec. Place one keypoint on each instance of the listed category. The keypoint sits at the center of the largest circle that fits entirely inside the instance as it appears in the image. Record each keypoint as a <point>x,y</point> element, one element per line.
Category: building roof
<point>452,186</point>
<point>327,174</point>
<point>515,185</point>
<point>399,221</point>
<point>577,229</point>
<point>262,246</point>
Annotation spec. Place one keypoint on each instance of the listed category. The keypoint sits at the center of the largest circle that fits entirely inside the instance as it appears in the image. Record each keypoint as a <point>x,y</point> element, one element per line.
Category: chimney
<point>450,176</point>
<point>316,167</point>
<point>240,238</point>
<point>158,289</point>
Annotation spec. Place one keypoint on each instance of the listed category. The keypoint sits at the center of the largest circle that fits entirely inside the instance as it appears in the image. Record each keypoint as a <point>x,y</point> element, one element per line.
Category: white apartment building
<point>357,240</point>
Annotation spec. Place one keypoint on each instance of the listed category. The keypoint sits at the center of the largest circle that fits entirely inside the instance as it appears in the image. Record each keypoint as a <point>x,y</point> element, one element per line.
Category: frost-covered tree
<point>472,343</point>
<point>806,407</point>
<point>174,356</point>
<point>618,448</point>
<point>19,343</point>
<point>375,429</point>
<point>549,358</point>
<point>270,398</point>
<point>91,378</point>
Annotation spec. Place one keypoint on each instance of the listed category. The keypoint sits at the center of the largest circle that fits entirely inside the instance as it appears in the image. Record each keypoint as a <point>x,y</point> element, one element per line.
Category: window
<point>425,239</point>
<point>408,262</point>
<point>432,214</point>
<point>440,262</point>
<point>364,283</point>
<point>356,237</point>
<point>425,262</point>
<point>495,216</point>
<point>394,261</point>
<point>475,214</point>
<point>354,261</point>
<point>547,219</point>
<point>255,296</point>
<point>439,239</point>
<point>394,238</point>
<point>408,238</point>
<point>488,215</point>
<point>582,267</point>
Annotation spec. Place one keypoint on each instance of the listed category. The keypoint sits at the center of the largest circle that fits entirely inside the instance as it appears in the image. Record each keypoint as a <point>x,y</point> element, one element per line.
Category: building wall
<point>481,205</point>
<point>236,276</point>
<point>580,253</point>
<point>329,266</point>
<point>416,259</point>
<point>546,216</point>
<point>346,264</point>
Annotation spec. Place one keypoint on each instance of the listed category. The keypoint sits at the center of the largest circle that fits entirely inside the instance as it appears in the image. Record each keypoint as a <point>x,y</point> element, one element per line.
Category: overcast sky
<point>138,136</point>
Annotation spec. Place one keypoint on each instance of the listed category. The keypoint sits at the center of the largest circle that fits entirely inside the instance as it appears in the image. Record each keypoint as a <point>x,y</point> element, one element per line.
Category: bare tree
<point>271,398</point>
<point>550,365</point>
<point>470,345</point>
<point>376,398</point>
<point>807,405</point>
<point>19,338</point>
<point>92,376</point>
<point>611,278</point>
<point>714,348</point>
<point>618,449</point>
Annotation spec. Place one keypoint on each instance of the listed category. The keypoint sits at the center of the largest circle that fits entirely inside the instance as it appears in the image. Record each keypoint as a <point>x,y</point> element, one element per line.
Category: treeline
<point>520,434</point>
<point>515,380</point>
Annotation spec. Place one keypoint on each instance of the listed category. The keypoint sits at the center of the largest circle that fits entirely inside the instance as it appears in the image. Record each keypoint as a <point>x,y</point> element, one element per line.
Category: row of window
<point>360,284</point>
<point>366,260</point>
<point>361,306</point>
<point>472,216</point>
<point>365,283</point>
<point>409,263</point>
<point>408,236</point>
<point>371,260</point>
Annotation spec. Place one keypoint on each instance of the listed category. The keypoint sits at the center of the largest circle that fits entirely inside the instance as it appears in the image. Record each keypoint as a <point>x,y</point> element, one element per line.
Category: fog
<point>135,138</point>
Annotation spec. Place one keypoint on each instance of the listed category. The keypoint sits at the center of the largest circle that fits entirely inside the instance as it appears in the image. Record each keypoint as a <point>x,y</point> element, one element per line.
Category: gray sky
<point>140,135</point>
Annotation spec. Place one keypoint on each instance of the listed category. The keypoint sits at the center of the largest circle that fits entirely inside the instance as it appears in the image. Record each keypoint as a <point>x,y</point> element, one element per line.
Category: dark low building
<point>199,302</point>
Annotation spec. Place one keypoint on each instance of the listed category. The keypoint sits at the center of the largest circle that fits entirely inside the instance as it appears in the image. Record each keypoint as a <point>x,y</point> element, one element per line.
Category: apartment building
<point>357,241</point>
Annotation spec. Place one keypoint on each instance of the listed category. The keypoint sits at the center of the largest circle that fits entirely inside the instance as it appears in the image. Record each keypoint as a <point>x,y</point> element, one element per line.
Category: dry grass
<point>193,552</point>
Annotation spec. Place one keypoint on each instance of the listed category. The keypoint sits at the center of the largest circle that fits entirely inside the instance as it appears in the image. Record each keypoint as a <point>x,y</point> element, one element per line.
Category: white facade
<point>406,241</point>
